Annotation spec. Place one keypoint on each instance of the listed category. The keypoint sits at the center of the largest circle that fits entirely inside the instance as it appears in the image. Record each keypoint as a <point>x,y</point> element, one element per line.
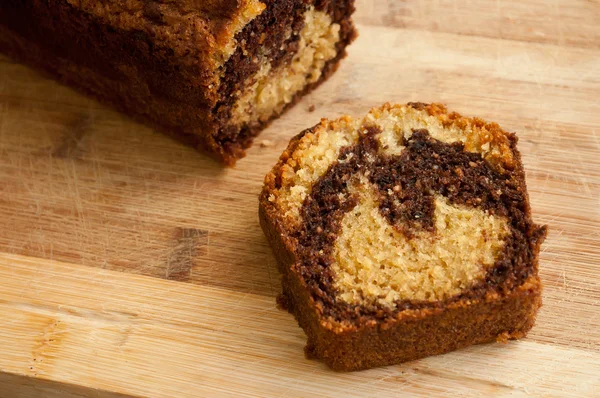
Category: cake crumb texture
<point>269,90</point>
<point>376,263</point>
<point>322,145</point>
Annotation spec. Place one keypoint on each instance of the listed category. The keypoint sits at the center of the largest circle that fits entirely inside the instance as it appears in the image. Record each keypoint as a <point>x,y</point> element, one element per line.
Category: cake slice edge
<point>425,331</point>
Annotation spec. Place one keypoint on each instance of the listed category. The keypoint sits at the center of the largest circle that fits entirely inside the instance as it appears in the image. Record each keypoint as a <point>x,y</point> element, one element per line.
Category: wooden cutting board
<point>131,265</point>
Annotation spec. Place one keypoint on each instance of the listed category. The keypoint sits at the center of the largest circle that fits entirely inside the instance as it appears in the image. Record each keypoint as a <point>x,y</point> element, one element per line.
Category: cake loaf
<point>403,234</point>
<point>212,73</point>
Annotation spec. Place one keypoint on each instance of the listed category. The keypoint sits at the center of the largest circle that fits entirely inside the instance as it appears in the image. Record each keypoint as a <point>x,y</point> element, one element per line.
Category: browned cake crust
<point>181,65</point>
<point>482,172</point>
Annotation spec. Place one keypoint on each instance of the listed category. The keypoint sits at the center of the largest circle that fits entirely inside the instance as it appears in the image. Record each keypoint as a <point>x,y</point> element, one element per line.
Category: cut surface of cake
<point>403,234</point>
<point>212,73</point>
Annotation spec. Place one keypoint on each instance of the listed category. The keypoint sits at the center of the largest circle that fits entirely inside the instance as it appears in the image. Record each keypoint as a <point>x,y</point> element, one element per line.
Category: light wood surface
<point>131,265</point>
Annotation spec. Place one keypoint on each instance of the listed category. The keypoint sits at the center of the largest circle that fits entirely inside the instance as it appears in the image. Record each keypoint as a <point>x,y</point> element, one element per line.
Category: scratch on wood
<point>100,319</point>
<point>71,144</point>
<point>395,11</point>
<point>189,243</point>
<point>494,385</point>
<point>49,339</point>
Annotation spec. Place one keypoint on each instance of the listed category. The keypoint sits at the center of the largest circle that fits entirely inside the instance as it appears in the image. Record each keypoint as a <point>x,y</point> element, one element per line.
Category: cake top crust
<point>206,27</point>
<point>311,155</point>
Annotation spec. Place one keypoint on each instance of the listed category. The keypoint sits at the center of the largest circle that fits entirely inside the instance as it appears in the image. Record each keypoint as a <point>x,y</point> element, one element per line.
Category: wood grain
<point>163,338</point>
<point>133,265</point>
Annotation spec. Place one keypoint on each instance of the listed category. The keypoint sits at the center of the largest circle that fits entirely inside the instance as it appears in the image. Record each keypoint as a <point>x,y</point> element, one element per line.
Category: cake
<point>212,73</point>
<point>403,234</point>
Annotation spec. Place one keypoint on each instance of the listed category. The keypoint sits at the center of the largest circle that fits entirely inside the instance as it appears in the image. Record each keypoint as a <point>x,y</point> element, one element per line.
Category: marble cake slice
<point>210,72</point>
<point>403,234</point>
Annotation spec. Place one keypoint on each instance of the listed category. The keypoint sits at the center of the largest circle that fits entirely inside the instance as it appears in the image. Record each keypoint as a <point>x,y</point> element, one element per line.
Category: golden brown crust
<point>493,134</point>
<point>423,334</point>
